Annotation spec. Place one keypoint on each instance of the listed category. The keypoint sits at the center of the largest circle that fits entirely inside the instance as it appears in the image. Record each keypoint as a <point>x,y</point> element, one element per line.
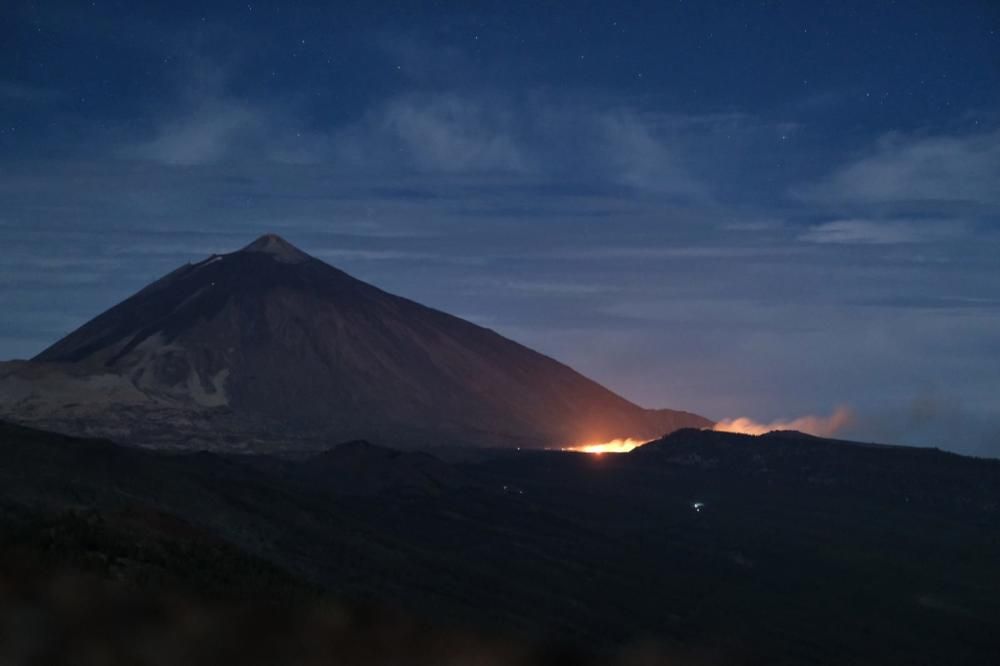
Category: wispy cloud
<point>907,168</point>
<point>879,232</point>
<point>203,121</point>
<point>704,251</point>
<point>640,158</point>
<point>225,129</point>
<point>434,133</point>
<point>542,136</point>
<point>547,136</point>
<point>201,135</point>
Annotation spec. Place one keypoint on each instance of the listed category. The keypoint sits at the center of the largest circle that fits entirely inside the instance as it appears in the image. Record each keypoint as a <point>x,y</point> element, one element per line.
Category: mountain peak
<point>274,343</point>
<point>279,248</point>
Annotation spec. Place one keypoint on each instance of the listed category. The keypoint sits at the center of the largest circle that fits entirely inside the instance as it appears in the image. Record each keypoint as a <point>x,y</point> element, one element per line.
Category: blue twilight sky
<point>763,209</point>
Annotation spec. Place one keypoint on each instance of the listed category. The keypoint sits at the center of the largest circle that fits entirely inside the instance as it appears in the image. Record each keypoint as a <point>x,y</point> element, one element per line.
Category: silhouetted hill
<point>361,468</point>
<point>921,475</point>
<point>269,348</point>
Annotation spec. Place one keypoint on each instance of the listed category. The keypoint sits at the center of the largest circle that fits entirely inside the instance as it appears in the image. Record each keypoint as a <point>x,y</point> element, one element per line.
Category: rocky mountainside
<point>269,348</point>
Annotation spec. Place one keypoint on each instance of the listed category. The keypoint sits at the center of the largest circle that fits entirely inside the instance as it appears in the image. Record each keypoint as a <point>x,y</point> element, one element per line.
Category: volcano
<point>268,347</point>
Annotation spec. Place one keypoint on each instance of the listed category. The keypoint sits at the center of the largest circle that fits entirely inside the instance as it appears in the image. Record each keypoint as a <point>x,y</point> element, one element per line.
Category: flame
<point>821,426</point>
<point>614,446</point>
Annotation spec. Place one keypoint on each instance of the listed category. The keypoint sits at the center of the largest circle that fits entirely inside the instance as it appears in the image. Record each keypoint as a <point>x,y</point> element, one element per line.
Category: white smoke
<point>821,426</point>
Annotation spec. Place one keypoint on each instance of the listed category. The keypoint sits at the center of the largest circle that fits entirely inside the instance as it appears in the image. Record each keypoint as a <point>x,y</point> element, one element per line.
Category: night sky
<point>763,209</point>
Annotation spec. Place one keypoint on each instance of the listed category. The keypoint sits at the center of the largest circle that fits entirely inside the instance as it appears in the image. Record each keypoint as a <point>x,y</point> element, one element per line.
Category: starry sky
<point>763,209</point>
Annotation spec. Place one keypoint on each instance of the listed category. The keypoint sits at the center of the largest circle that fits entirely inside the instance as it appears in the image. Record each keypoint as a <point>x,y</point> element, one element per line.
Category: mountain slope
<point>274,344</point>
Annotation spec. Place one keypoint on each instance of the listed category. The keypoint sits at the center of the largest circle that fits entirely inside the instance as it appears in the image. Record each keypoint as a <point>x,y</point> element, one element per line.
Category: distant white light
<point>697,506</point>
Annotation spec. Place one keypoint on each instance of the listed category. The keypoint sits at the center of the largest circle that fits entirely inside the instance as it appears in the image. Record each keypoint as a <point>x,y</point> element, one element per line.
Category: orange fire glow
<point>614,446</point>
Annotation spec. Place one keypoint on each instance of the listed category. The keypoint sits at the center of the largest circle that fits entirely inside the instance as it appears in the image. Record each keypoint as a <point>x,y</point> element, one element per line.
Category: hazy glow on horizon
<point>622,445</point>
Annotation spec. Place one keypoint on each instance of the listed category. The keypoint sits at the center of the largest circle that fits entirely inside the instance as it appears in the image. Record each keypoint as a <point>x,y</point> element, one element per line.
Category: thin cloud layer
<point>881,232</point>
<point>546,136</point>
<point>960,168</point>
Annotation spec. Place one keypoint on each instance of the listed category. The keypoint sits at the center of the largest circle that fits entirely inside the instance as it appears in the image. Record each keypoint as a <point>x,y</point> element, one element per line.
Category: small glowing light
<point>697,506</point>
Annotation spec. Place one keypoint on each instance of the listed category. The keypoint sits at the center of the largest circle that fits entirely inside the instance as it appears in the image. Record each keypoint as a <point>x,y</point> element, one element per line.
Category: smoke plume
<point>821,426</point>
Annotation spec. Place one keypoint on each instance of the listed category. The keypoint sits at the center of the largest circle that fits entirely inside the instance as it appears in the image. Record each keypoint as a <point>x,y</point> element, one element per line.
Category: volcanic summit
<point>274,348</point>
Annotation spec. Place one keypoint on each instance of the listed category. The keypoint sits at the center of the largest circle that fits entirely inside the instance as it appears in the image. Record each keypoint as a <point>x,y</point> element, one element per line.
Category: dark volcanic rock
<point>362,468</point>
<point>764,550</point>
<point>790,459</point>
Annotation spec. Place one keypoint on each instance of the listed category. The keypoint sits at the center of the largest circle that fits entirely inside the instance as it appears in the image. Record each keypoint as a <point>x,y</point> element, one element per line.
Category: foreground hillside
<point>777,549</point>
